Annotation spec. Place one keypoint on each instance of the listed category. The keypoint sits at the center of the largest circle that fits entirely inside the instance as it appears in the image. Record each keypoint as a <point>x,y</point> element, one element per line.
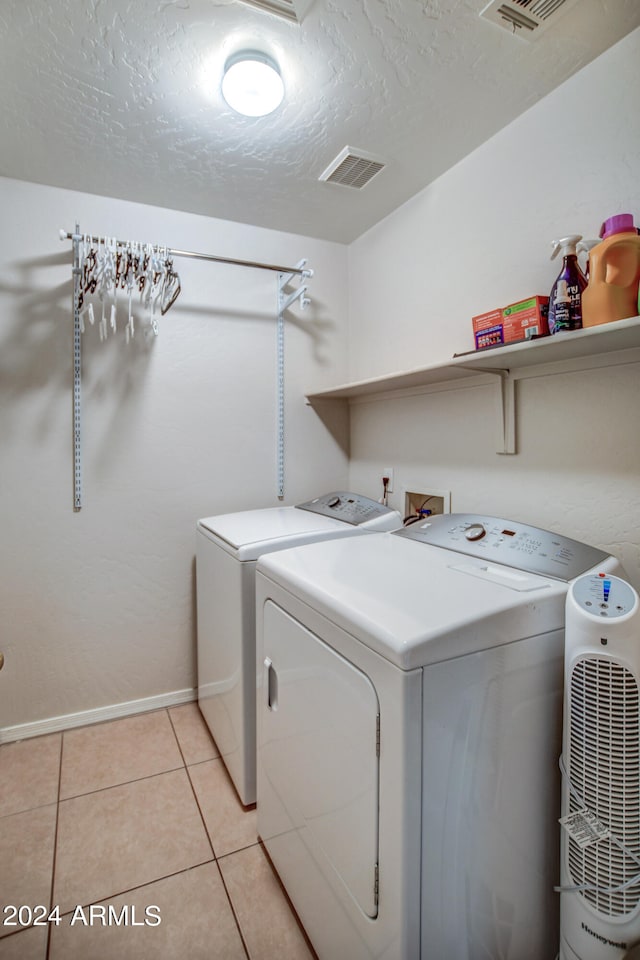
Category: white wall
<point>97,607</point>
<point>479,238</point>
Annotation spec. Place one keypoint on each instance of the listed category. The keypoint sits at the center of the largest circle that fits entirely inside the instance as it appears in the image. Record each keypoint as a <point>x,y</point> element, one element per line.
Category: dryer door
<point>318,761</point>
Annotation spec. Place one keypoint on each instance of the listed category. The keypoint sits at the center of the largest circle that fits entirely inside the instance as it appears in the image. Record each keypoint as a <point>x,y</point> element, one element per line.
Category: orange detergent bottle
<point>614,273</point>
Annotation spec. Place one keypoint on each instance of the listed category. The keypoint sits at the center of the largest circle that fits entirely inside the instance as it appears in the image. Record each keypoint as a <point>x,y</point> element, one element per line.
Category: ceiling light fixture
<point>252,84</point>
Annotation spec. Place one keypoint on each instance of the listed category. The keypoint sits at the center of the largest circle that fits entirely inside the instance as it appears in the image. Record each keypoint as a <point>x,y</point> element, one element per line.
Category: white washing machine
<point>409,729</point>
<point>227,548</point>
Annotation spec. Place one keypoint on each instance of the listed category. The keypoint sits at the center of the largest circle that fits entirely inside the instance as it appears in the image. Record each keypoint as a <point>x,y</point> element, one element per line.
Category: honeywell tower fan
<point>600,847</point>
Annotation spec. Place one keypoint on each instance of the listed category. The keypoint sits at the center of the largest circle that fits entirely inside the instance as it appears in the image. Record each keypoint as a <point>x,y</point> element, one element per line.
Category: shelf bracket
<point>506,413</point>
<point>505,397</point>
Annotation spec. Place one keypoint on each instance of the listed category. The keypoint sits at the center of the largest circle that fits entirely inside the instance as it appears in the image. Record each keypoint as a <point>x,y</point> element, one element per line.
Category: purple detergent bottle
<point>570,283</point>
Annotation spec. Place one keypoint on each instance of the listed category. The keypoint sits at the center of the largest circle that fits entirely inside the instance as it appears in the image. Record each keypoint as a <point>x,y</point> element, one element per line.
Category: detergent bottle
<point>614,273</point>
<point>566,314</point>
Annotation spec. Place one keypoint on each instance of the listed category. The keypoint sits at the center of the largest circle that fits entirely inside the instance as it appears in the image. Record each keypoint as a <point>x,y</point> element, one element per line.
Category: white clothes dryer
<point>227,548</point>
<point>409,729</point>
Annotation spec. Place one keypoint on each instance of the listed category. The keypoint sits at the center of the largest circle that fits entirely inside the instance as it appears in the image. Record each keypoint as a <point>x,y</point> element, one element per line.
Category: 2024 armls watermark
<point>93,915</point>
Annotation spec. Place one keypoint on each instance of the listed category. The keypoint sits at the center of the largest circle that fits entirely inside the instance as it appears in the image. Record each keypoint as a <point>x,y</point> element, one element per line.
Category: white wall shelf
<point>605,345</point>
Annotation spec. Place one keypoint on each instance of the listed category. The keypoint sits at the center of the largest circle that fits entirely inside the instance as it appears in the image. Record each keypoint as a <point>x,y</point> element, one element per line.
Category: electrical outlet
<point>426,504</point>
<point>388,472</point>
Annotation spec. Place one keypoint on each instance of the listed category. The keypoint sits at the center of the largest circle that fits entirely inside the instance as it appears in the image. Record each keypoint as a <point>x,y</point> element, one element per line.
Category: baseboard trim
<point>25,731</point>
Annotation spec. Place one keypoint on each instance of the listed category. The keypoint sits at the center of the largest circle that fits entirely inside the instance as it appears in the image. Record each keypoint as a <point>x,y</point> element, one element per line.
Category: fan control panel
<point>604,596</point>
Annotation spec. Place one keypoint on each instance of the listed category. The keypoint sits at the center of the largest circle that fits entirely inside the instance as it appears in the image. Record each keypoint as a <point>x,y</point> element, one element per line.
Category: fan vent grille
<point>525,18</point>
<point>604,768</point>
<point>542,9</point>
<point>352,169</point>
<point>282,8</point>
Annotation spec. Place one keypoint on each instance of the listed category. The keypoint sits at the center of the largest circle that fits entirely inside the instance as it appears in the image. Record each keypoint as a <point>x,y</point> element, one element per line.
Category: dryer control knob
<point>333,502</point>
<point>475,532</point>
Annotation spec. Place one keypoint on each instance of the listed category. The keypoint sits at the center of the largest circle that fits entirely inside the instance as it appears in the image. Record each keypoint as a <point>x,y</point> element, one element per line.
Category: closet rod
<point>65,235</point>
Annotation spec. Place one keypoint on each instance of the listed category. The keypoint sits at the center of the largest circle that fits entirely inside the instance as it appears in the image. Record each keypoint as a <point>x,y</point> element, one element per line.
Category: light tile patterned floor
<point>124,816</point>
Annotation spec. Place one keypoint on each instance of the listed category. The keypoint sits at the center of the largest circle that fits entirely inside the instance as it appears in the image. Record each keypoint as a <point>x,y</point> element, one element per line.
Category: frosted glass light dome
<point>252,84</point>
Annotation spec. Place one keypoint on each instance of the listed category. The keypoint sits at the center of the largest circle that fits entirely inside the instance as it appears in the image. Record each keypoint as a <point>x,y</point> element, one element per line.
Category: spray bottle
<point>570,283</point>
<point>585,247</point>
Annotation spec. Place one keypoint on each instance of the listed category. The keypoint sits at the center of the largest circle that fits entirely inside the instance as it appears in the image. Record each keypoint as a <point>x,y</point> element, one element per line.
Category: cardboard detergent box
<point>518,321</point>
<point>487,329</point>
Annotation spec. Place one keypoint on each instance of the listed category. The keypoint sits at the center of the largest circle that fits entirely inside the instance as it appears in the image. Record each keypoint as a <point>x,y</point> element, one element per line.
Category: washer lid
<point>415,603</point>
<point>250,533</point>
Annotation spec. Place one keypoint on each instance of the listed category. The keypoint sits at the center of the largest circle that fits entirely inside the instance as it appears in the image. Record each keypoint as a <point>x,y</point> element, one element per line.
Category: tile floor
<point>128,815</point>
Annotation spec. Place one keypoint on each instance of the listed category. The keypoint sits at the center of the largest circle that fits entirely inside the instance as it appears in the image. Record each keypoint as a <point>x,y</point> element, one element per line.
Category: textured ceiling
<point>121,98</point>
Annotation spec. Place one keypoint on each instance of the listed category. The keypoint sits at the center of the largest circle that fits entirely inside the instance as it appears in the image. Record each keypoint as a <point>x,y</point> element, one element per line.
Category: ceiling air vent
<point>526,18</point>
<point>289,9</point>
<point>352,168</point>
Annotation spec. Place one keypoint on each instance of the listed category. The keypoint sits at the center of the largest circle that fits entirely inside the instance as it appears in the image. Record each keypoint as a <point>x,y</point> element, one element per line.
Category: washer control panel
<point>605,596</point>
<point>350,507</point>
<point>508,542</point>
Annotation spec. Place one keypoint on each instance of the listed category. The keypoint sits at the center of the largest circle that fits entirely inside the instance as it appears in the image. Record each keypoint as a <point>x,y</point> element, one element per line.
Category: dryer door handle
<point>271,684</point>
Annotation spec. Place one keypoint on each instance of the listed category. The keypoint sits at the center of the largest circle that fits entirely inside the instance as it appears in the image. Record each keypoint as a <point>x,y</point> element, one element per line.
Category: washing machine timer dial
<point>475,532</point>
